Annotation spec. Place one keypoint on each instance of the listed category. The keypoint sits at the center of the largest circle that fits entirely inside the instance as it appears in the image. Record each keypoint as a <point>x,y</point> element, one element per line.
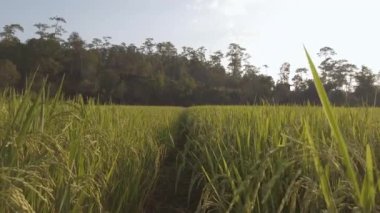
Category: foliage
<point>282,159</point>
<point>156,73</point>
<point>9,76</point>
<point>59,155</point>
<point>67,156</point>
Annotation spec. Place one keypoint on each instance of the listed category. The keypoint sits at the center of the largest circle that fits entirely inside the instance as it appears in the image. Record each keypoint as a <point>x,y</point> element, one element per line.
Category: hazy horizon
<point>272,31</point>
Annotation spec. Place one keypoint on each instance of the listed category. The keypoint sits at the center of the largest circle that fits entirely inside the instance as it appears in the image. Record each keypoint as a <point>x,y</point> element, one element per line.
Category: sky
<point>272,31</point>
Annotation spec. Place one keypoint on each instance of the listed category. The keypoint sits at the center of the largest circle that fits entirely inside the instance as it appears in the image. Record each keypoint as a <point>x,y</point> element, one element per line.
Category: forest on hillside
<point>157,73</point>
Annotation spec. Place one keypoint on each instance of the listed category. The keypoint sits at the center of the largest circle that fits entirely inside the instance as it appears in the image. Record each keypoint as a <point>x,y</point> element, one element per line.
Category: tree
<point>148,46</point>
<point>337,74</point>
<point>75,41</point>
<point>186,85</point>
<point>344,74</point>
<point>188,53</point>
<point>282,89</point>
<point>110,79</point>
<point>192,54</point>
<point>299,82</point>
<point>46,58</point>
<point>96,43</point>
<point>58,30</point>
<point>327,64</point>
<point>365,90</point>
<point>284,73</point>
<point>256,89</point>
<point>235,55</point>
<point>156,74</point>
<point>376,101</point>
<point>42,30</point>
<point>217,70</point>
<point>132,48</point>
<point>166,49</point>
<point>250,69</point>
<point>77,55</point>
<point>9,76</point>
<point>326,52</point>
<point>216,58</point>
<point>9,31</point>
<point>200,54</point>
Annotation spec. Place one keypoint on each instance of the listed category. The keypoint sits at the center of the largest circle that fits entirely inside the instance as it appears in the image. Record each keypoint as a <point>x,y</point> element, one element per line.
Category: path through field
<point>169,195</point>
<point>59,156</point>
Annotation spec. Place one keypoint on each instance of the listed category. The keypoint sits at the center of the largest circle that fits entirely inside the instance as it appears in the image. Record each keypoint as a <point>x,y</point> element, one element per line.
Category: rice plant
<point>76,155</point>
<point>281,159</point>
<point>68,156</point>
<point>284,158</point>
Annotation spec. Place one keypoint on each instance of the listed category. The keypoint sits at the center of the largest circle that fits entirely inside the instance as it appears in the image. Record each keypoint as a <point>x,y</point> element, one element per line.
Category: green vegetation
<point>159,73</point>
<point>61,156</point>
<point>261,159</point>
<point>61,151</point>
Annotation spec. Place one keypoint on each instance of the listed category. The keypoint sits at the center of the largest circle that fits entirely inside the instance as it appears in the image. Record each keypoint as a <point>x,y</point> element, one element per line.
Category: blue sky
<point>272,31</point>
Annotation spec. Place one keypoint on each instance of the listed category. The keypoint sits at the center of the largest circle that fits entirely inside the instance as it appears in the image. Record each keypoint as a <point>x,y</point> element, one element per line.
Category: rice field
<point>59,156</point>
<point>78,156</point>
<point>67,156</point>
<point>259,159</point>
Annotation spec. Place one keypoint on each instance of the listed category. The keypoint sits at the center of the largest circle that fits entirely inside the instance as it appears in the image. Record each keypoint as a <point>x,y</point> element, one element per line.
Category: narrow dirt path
<point>165,198</point>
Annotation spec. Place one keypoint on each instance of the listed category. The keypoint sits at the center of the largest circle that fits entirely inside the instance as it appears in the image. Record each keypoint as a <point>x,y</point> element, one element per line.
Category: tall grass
<point>260,159</point>
<point>67,156</point>
<point>364,195</point>
<point>284,159</point>
<point>70,156</point>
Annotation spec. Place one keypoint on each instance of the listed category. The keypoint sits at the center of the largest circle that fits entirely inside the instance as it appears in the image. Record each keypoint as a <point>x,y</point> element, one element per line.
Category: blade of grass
<point>323,178</point>
<point>350,171</point>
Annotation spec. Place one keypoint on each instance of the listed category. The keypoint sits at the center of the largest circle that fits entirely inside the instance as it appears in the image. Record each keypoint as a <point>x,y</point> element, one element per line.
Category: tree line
<point>160,74</point>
